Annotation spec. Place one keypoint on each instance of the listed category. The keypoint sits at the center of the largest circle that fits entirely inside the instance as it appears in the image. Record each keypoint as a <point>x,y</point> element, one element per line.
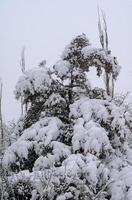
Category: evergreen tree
<point>74,142</point>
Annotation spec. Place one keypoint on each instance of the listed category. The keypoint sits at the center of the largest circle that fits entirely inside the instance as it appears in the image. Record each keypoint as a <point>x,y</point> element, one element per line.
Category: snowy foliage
<point>33,81</point>
<point>101,59</point>
<point>78,144</point>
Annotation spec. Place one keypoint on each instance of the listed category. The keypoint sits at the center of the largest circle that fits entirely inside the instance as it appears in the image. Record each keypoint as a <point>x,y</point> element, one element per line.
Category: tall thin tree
<point>104,40</point>
<point>22,64</point>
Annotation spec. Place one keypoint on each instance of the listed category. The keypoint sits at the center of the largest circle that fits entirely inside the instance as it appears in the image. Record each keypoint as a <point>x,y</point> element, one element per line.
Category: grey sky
<point>46,26</point>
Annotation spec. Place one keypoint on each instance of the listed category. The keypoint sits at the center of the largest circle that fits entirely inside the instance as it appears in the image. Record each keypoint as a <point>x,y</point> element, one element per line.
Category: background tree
<point>22,65</point>
<point>104,41</point>
<point>1,120</point>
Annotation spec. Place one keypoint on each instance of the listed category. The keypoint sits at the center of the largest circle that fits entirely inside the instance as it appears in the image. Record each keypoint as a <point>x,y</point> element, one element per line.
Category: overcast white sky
<point>46,26</point>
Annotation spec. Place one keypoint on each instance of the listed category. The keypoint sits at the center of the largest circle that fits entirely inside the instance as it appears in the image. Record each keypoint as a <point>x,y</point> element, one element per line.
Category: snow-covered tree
<point>74,142</point>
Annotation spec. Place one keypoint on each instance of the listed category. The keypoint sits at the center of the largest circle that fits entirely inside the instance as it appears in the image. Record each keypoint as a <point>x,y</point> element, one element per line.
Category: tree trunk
<point>107,83</point>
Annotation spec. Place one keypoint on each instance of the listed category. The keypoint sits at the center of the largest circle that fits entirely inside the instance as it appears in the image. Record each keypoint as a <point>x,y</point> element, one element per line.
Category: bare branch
<point>105,30</point>
<point>22,62</point>
<point>101,34</point>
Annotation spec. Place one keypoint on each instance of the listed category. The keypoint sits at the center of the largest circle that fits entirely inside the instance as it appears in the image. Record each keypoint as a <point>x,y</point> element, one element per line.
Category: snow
<point>91,155</point>
<point>73,46</point>
<point>65,196</point>
<point>88,50</point>
<point>37,136</point>
<point>87,152</point>
<point>121,183</point>
<point>102,58</point>
<point>87,107</point>
<point>59,151</point>
<point>62,68</point>
<point>35,80</point>
<point>129,194</point>
<point>90,137</point>
<point>54,99</point>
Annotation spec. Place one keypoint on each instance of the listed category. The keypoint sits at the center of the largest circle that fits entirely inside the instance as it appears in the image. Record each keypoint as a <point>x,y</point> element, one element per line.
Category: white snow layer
<point>33,81</point>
